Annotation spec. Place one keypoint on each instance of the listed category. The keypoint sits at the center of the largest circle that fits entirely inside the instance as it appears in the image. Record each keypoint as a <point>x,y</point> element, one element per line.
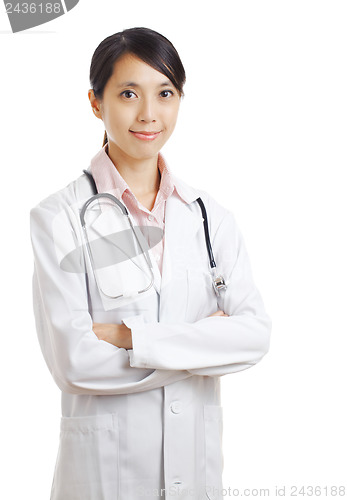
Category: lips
<point>144,132</point>
<point>145,135</point>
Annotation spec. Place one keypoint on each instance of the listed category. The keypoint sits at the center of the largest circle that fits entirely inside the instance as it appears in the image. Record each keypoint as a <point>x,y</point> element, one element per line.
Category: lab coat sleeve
<point>79,362</point>
<point>216,345</point>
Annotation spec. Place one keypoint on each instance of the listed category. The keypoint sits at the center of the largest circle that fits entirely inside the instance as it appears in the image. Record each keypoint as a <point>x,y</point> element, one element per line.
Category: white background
<point>262,128</point>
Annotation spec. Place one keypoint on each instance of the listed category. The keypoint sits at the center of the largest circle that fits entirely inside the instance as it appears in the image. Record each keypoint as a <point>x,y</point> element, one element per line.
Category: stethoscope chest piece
<point>219,284</point>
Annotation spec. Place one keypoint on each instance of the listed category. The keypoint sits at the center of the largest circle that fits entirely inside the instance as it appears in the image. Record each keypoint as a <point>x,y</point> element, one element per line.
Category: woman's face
<point>137,98</point>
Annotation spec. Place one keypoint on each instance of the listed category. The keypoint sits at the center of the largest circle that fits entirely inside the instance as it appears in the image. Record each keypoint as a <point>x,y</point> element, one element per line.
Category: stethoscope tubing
<point>207,236</point>
<point>126,213</point>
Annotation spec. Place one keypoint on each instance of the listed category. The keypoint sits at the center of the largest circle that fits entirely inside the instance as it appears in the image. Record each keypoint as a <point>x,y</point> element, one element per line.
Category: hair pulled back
<point>148,45</point>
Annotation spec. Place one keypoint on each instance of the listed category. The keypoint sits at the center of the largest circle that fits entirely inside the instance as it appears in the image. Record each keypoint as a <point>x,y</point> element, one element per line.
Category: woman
<point>141,408</point>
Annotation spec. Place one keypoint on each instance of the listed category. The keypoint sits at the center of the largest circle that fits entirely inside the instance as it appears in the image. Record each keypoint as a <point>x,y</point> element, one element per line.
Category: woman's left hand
<point>118,335</point>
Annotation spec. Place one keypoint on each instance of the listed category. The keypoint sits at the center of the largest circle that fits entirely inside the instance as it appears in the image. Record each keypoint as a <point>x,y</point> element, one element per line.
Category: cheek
<point>119,121</point>
<point>171,118</point>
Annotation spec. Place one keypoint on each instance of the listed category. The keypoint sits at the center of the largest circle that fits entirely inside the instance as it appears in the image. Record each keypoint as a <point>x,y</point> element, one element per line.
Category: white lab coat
<point>138,421</point>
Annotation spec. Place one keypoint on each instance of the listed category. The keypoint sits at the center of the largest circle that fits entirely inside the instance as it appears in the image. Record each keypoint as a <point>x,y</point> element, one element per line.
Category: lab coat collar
<point>186,192</point>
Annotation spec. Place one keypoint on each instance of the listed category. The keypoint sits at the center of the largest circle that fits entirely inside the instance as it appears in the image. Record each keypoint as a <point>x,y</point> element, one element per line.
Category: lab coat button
<point>176,406</point>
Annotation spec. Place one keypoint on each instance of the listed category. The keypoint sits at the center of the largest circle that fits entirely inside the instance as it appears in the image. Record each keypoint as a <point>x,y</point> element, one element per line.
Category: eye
<point>166,92</point>
<point>126,94</point>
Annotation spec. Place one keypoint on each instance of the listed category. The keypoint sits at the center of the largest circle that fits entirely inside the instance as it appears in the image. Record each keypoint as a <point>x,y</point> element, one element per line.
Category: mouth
<point>144,135</point>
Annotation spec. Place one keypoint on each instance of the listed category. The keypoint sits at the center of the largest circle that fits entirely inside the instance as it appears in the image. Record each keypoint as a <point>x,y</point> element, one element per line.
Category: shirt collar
<point>109,180</point>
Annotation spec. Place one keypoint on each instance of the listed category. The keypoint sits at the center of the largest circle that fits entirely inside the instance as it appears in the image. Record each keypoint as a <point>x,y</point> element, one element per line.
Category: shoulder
<point>57,215</point>
<point>72,194</point>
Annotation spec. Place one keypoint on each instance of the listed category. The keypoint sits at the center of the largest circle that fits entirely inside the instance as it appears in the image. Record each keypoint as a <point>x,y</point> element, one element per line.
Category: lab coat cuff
<point>138,354</point>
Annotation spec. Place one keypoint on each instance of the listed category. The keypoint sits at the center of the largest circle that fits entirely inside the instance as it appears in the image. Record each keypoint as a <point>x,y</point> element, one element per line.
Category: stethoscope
<point>217,281</point>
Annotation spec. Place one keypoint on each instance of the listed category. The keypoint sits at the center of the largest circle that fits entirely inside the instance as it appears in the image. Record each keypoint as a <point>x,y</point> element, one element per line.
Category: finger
<point>218,313</point>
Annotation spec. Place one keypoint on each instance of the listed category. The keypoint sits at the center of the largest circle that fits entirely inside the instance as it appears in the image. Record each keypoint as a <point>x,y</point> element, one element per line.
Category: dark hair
<point>148,45</point>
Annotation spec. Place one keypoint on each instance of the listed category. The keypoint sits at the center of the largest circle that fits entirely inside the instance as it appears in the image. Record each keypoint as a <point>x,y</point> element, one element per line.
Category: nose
<point>147,112</point>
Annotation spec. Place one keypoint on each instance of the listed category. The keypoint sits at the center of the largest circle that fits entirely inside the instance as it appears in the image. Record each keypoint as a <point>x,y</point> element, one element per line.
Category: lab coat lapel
<point>181,225</point>
<point>182,222</point>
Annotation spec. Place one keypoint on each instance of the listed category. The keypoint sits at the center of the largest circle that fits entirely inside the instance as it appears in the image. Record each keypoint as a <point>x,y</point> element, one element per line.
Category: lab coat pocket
<point>213,420</point>
<point>88,459</point>
<point>201,298</point>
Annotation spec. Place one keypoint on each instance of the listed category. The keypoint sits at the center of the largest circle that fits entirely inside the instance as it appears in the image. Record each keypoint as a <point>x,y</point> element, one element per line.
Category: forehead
<point>130,68</point>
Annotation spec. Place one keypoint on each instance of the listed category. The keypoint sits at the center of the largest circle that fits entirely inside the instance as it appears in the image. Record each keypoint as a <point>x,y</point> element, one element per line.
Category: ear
<point>95,103</point>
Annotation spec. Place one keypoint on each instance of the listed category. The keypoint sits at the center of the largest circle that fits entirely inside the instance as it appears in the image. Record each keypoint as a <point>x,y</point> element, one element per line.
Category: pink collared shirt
<point>109,180</point>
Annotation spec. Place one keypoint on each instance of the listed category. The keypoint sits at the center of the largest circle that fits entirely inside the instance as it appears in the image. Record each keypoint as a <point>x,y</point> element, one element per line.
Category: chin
<point>147,152</point>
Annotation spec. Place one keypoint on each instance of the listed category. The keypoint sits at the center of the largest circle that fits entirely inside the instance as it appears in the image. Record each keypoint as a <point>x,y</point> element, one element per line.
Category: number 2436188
<point>33,8</point>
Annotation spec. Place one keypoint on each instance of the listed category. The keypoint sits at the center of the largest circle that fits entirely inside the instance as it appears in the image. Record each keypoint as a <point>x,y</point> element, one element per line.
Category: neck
<point>142,176</point>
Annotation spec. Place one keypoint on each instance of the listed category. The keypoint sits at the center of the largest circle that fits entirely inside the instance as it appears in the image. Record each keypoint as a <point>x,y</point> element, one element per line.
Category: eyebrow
<point>134,84</point>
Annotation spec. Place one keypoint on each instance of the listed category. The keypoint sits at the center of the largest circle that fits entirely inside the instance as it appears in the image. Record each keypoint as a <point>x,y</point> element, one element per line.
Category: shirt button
<point>176,406</point>
<point>150,217</point>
